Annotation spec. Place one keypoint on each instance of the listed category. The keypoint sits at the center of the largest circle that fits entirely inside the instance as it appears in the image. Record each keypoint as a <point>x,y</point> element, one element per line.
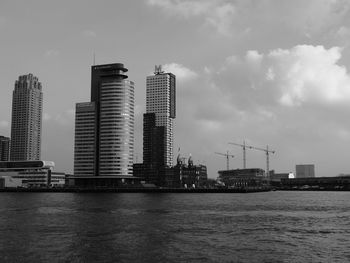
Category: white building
<point>30,174</point>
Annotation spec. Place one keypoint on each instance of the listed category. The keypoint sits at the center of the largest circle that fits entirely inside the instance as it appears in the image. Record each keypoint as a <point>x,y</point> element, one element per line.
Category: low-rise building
<point>277,177</point>
<point>242,178</point>
<point>182,174</point>
<point>30,174</point>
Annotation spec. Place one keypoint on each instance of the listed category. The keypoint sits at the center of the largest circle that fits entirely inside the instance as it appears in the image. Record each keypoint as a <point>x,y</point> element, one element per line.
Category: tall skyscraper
<point>4,148</point>
<point>159,119</point>
<point>104,127</point>
<point>26,122</point>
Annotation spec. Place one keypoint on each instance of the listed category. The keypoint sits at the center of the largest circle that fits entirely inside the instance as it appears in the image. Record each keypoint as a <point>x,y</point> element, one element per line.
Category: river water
<point>135,227</point>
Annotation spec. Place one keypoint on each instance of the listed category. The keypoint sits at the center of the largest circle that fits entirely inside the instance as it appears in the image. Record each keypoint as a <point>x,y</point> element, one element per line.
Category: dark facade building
<point>104,128</point>
<point>277,177</point>
<point>304,170</point>
<point>158,122</point>
<point>4,148</point>
<point>186,175</point>
<point>241,178</point>
<point>153,141</point>
<point>317,183</point>
<point>27,101</point>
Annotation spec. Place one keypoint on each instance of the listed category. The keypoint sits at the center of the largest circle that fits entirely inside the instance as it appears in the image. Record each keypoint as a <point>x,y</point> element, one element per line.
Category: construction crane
<point>267,151</point>
<point>227,155</point>
<point>244,146</point>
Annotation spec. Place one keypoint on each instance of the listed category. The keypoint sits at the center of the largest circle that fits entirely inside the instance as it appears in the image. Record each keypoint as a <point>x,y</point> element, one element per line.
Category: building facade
<point>26,121</point>
<point>159,119</point>
<point>304,170</point>
<point>243,178</point>
<point>4,148</point>
<point>85,139</point>
<point>104,127</point>
<point>30,174</point>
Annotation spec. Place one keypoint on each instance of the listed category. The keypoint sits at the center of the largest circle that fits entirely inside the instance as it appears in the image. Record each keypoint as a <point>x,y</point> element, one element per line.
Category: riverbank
<point>135,190</point>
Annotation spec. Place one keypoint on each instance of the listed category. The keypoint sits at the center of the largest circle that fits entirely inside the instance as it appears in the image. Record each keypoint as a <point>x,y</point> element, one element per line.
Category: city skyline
<point>282,81</point>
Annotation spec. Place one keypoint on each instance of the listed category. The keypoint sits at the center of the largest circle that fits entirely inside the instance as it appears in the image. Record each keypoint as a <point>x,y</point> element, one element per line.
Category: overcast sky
<point>269,72</point>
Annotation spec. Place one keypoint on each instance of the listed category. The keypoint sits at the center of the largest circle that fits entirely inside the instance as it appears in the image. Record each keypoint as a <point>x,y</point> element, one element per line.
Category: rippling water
<point>129,227</point>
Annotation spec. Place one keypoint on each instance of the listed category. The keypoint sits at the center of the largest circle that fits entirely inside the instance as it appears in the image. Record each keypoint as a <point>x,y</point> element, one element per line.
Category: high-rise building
<point>85,139</point>
<point>159,119</point>
<point>104,127</point>
<point>4,148</point>
<point>305,170</point>
<point>26,122</point>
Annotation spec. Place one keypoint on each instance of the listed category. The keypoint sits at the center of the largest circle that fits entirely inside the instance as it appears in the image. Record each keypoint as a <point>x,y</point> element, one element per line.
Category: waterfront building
<point>241,178</point>
<point>33,174</point>
<point>4,148</point>
<point>277,177</point>
<point>104,127</point>
<point>85,139</point>
<point>26,121</point>
<point>158,125</point>
<point>317,183</point>
<point>159,119</point>
<point>305,170</point>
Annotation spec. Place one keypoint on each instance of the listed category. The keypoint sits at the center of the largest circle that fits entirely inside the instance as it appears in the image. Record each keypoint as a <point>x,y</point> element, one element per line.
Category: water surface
<point>132,227</point>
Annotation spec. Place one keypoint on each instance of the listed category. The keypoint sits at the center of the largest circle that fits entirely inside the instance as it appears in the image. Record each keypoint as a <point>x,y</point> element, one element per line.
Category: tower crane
<point>227,155</point>
<point>267,151</point>
<point>244,146</point>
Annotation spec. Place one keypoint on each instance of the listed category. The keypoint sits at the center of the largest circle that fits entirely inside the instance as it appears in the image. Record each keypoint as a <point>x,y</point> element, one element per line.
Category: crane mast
<point>244,146</point>
<point>227,155</point>
<point>267,151</point>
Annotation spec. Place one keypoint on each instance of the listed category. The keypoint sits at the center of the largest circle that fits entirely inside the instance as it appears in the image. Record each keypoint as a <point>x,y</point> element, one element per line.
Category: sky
<point>270,72</point>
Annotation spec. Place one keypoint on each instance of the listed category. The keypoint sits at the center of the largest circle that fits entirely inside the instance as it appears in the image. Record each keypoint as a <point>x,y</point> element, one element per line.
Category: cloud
<point>51,53</point>
<point>216,13</point>
<point>301,75</point>
<point>3,22</point>
<point>89,34</point>
<point>46,116</point>
<point>4,124</point>
<point>305,74</point>
<point>242,18</point>
<point>343,32</point>
<point>65,118</point>
<point>181,72</point>
<point>292,99</point>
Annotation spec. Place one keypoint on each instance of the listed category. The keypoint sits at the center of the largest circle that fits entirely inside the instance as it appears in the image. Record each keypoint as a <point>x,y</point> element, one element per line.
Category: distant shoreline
<point>154,190</point>
<point>131,190</point>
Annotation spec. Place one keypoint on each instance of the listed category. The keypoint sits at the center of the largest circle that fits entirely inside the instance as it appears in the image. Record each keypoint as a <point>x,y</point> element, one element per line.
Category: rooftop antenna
<point>94,59</point>
<point>158,69</point>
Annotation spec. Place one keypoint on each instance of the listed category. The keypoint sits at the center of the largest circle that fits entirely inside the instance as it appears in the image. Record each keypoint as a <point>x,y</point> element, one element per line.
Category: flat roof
<point>105,177</point>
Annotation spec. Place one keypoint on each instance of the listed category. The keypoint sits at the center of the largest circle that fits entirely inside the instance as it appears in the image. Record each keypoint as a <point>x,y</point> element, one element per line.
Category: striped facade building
<point>104,127</point>
<point>85,137</point>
